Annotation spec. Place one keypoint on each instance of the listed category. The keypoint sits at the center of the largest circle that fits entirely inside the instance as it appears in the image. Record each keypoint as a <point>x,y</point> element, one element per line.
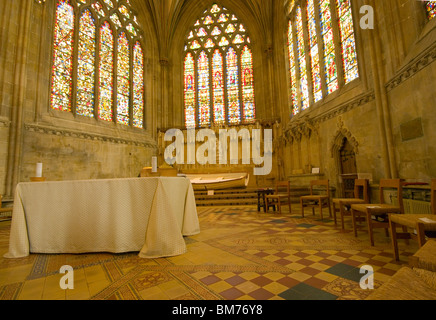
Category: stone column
<point>17,125</point>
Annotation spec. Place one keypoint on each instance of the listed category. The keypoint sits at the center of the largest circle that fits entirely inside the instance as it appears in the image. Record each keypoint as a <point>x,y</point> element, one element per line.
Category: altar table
<point>145,215</point>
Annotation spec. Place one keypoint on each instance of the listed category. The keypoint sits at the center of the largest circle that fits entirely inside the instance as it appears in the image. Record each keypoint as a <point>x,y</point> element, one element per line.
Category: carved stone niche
<point>299,129</point>
<point>338,139</point>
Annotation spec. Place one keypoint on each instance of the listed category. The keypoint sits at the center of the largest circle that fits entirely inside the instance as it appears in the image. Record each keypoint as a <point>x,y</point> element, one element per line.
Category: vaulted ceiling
<point>165,17</point>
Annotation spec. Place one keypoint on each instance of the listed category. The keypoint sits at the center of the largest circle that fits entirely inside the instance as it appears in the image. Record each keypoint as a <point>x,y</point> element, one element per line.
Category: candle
<point>39,170</point>
<point>154,164</point>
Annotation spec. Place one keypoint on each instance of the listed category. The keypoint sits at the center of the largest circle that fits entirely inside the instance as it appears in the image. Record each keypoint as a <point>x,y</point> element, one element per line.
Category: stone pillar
<point>17,126</point>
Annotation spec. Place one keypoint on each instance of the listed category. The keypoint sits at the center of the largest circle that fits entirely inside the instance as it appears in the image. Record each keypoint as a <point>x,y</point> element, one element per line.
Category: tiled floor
<point>240,254</point>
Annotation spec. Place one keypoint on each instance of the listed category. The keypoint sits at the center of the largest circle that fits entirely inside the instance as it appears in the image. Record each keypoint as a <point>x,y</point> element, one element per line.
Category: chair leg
<point>330,208</point>
<point>290,206</point>
<point>266,203</point>
<point>353,217</point>
<point>302,207</point>
<point>320,209</point>
<point>421,234</point>
<point>370,231</point>
<point>393,228</point>
<point>342,216</point>
<point>334,214</point>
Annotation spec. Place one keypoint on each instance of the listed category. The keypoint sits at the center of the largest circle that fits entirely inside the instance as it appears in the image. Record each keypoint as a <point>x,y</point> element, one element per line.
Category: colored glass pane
<point>203,90</point>
<point>124,11</point>
<point>330,68</point>
<point>131,29</point>
<point>314,51</point>
<point>304,89</point>
<point>63,57</point>
<point>219,111</point>
<point>293,71</point>
<point>123,80</point>
<point>233,87</point>
<point>247,86</point>
<point>106,72</point>
<point>116,20</point>
<point>98,8</point>
<point>86,65</point>
<point>218,95</point>
<point>431,9</point>
<point>189,75</point>
<point>346,28</point>
<point>138,86</point>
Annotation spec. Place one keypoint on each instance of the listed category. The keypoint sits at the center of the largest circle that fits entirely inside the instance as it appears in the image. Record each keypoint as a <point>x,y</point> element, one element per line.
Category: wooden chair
<point>343,206</point>
<point>320,200</point>
<point>279,195</point>
<point>421,223</point>
<point>380,212</point>
<point>4,210</point>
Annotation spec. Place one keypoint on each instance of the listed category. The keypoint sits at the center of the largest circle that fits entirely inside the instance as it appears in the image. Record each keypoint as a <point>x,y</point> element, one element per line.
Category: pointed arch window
<point>322,50</point>
<point>431,9</point>
<point>105,80</point>
<point>218,71</point>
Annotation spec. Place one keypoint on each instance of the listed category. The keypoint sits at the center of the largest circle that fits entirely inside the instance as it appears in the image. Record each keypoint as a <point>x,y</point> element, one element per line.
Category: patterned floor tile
<point>239,255</point>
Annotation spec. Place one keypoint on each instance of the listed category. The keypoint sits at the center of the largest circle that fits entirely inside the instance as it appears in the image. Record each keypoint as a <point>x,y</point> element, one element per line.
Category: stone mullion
<point>306,37</point>
<point>131,83</point>
<point>338,43</point>
<point>321,49</point>
<point>75,62</point>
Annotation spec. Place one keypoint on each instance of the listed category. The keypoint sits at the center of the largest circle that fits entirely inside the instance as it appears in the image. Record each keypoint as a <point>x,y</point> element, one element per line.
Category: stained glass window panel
<point>247,86</point>
<point>219,110</point>
<point>293,71</point>
<point>346,28</point>
<point>63,57</point>
<point>233,87</point>
<point>138,86</point>
<point>203,90</point>
<point>123,82</point>
<point>330,67</point>
<point>216,93</point>
<point>86,65</point>
<point>190,110</point>
<point>314,52</point>
<point>106,72</point>
<point>302,61</point>
<point>431,9</point>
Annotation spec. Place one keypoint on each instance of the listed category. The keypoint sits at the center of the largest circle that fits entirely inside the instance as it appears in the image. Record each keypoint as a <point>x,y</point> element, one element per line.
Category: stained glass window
<point>106,72</point>
<point>314,51</point>
<point>63,57</point>
<point>219,62</point>
<point>138,86</point>
<point>123,82</point>
<point>203,89</point>
<point>233,87</point>
<point>86,63</point>
<point>346,28</point>
<point>301,49</point>
<point>104,54</point>
<point>248,112</point>
<point>190,109</point>
<point>431,9</point>
<point>293,71</point>
<point>219,111</point>
<point>331,73</point>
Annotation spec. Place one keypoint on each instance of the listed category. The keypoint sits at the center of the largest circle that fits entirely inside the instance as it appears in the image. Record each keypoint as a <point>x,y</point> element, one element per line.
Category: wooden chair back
<point>433,196</point>
<point>361,184</point>
<point>0,200</point>
<point>392,184</point>
<point>281,185</point>
<point>320,183</point>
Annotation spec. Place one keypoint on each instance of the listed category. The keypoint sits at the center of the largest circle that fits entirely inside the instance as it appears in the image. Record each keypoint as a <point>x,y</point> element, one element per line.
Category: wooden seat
<point>278,197</point>
<point>377,215</point>
<point>317,200</point>
<point>343,206</point>
<point>421,223</point>
<point>3,211</point>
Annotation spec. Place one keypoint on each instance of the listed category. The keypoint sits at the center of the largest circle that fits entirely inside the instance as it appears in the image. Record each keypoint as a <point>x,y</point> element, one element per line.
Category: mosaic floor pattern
<point>240,254</point>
